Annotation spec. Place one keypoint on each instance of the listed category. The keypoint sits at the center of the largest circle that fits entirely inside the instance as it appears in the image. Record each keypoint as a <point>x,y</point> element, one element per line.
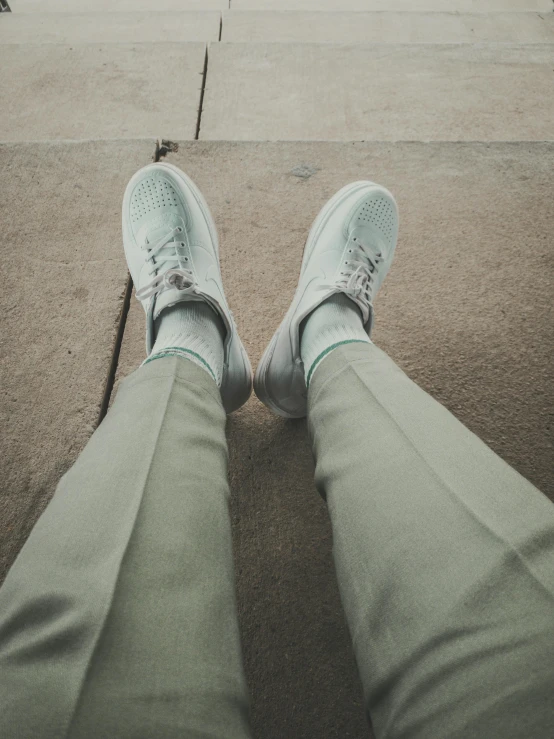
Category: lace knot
<point>178,277</point>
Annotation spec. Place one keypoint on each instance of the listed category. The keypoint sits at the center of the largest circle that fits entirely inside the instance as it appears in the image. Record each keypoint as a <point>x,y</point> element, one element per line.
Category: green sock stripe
<point>326,352</point>
<point>172,351</point>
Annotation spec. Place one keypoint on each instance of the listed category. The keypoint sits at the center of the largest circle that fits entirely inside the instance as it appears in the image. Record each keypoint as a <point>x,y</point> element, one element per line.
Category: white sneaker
<point>172,252</point>
<point>349,250</point>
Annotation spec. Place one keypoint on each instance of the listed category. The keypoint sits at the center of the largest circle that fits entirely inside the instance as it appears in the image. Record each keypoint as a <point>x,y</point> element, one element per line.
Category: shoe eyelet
<point>179,229</point>
<point>182,243</point>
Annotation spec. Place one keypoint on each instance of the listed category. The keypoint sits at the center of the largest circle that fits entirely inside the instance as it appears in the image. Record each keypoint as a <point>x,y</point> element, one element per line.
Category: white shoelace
<point>166,252</point>
<point>358,275</point>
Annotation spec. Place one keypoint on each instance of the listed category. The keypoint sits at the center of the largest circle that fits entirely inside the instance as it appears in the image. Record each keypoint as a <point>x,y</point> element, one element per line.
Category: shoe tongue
<point>370,237</point>
<point>156,228</point>
<point>152,231</point>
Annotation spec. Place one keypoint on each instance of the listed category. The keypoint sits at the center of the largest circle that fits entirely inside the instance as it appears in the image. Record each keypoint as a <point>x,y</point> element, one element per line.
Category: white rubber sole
<point>260,380</point>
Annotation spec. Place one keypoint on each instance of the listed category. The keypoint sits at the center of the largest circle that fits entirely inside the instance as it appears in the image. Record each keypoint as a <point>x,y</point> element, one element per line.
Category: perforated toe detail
<point>152,195</point>
<point>378,212</point>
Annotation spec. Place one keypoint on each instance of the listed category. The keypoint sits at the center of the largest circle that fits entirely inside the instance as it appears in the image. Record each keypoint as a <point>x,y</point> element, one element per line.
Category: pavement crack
<point>108,388</point>
<point>204,75</point>
<point>163,148</point>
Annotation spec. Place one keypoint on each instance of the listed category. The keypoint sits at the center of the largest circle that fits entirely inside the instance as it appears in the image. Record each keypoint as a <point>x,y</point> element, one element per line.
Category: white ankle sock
<point>335,322</point>
<point>194,331</point>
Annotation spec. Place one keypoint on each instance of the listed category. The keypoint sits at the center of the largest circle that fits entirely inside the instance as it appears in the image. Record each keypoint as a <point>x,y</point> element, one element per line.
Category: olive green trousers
<point>118,617</point>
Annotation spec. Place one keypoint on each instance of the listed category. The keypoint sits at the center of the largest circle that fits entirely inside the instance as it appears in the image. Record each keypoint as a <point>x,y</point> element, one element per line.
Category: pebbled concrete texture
<point>462,6</point>
<point>466,311</point>
<point>64,275</point>
<point>113,6</point>
<point>94,91</point>
<point>384,27</point>
<point>79,28</point>
<point>397,92</point>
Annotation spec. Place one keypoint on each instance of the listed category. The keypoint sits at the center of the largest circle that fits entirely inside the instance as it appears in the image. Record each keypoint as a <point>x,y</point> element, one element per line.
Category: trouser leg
<point>444,555</point>
<point>118,617</point>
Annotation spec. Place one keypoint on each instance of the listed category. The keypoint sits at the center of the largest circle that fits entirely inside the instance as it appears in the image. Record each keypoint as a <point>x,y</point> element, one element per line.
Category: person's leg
<point>444,555</point>
<point>118,618</point>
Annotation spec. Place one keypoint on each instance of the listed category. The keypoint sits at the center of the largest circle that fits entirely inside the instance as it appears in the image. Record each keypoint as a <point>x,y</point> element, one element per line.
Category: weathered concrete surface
<point>114,6</point>
<point>397,92</point>
<point>79,28</point>
<point>395,28</point>
<point>95,91</point>
<point>462,6</point>
<point>63,277</point>
<point>466,311</point>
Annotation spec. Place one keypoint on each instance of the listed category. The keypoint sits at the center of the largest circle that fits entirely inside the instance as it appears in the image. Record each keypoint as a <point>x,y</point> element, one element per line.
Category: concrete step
<point>79,28</point>
<point>94,91</point>
<point>395,92</point>
<point>456,296</point>
<point>461,6</point>
<point>383,27</point>
<point>64,275</point>
<point>113,6</point>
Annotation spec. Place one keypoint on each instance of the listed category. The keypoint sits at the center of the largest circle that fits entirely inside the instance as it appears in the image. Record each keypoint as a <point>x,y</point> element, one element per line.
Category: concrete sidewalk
<point>274,106</point>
